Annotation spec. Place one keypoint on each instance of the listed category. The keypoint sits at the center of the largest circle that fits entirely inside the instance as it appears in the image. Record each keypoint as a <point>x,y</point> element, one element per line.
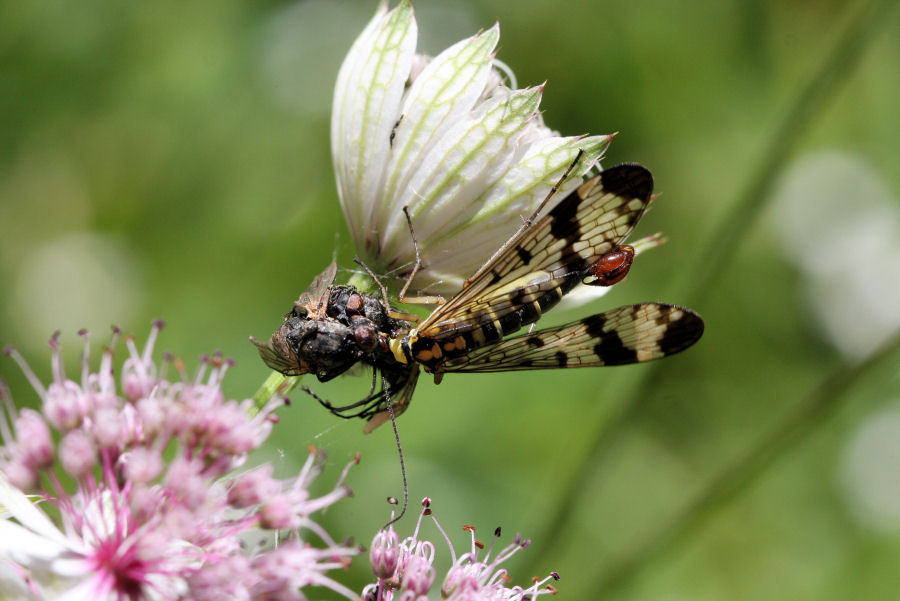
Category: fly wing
<point>631,334</point>
<point>312,303</point>
<point>543,261</point>
<point>276,352</point>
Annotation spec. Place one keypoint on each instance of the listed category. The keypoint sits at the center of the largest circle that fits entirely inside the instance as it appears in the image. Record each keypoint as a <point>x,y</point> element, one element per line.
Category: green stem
<point>363,283</point>
<point>276,383</point>
<point>736,477</point>
<point>724,243</point>
<point>812,98</point>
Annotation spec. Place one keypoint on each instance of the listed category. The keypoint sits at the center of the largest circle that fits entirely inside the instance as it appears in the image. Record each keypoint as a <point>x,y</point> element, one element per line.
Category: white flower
<point>446,137</point>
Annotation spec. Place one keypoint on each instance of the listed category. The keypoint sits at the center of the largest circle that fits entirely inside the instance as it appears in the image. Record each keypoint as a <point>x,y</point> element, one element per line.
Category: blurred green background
<point>172,160</point>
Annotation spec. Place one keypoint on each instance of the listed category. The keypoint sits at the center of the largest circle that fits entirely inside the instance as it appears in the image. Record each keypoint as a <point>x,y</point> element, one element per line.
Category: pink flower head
<point>405,570</point>
<point>153,511</point>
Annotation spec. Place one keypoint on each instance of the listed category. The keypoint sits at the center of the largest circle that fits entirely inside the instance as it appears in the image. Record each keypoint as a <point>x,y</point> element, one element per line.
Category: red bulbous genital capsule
<point>610,268</point>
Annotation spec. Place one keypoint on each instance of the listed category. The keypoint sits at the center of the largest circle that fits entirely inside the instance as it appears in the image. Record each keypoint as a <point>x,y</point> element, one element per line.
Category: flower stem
<point>808,104</point>
<point>363,283</point>
<point>736,477</point>
<point>813,96</point>
<point>276,383</point>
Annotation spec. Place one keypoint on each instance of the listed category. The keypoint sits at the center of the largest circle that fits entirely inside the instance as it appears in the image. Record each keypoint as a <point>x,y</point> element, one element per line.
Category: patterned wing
<point>631,334</point>
<point>544,261</point>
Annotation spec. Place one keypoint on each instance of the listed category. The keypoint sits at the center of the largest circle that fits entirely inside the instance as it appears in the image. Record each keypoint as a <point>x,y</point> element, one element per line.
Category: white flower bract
<point>446,137</point>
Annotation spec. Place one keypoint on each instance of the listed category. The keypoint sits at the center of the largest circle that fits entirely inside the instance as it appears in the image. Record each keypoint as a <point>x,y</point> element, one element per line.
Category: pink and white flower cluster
<point>405,570</point>
<point>134,494</point>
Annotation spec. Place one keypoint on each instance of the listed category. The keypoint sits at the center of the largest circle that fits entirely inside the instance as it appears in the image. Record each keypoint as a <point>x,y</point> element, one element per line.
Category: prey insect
<point>581,240</point>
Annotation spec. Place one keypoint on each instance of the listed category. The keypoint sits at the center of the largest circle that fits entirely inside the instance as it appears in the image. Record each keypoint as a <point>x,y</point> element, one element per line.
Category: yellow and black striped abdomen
<point>432,346</point>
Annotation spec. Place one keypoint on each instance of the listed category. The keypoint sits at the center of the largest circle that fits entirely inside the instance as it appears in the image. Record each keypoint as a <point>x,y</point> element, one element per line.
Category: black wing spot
<point>534,341</point>
<point>594,325</point>
<point>611,351</point>
<point>524,255</point>
<point>664,318</point>
<point>562,358</point>
<point>563,224</point>
<point>682,333</point>
<point>628,180</point>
